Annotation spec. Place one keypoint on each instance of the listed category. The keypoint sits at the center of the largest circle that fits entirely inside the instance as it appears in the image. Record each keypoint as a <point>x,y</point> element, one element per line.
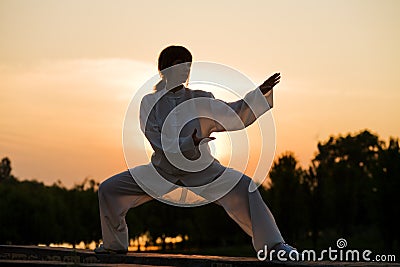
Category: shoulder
<point>201,93</point>
<point>151,97</point>
<point>146,99</point>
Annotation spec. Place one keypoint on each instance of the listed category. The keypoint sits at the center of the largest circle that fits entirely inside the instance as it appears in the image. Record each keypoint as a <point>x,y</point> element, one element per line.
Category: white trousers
<point>120,192</point>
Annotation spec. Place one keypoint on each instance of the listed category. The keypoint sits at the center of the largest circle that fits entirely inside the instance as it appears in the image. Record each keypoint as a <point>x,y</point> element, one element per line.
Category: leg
<point>117,195</point>
<point>251,213</point>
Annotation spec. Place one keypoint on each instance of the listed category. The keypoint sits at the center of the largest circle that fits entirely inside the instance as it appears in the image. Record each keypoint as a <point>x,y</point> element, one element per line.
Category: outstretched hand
<point>270,83</point>
<point>197,140</point>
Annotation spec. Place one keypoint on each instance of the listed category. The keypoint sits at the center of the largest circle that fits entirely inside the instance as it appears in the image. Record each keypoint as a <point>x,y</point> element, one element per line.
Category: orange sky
<point>69,68</point>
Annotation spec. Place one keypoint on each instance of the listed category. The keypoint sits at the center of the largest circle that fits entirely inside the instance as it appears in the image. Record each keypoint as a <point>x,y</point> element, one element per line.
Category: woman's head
<point>174,56</point>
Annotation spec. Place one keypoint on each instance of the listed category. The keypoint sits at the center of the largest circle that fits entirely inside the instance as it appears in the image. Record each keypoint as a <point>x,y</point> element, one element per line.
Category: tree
<point>5,169</point>
<point>313,200</point>
<point>346,170</point>
<point>388,192</point>
<point>287,196</point>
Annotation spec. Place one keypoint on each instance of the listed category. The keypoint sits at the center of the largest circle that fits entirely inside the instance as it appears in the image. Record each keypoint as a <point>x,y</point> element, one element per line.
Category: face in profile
<point>177,74</point>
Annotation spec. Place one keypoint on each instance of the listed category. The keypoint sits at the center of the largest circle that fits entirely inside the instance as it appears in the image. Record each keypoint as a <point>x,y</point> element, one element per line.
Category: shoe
<point>102,250</point>
<point>289,253</point>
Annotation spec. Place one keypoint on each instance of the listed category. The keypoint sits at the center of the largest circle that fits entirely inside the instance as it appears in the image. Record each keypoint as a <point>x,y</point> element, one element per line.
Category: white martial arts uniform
<point>121,192</point>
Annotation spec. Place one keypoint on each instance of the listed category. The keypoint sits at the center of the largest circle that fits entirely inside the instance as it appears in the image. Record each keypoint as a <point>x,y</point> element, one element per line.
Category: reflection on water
<point>142,243</point>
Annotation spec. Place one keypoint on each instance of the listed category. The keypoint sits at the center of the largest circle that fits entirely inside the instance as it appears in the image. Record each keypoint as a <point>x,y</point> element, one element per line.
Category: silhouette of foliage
<point>349,191</point>
<point>5,169</point>
<point>287,196</point>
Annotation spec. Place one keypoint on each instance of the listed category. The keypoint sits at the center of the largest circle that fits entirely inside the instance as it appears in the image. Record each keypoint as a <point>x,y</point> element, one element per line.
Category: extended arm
<point>242,113</point>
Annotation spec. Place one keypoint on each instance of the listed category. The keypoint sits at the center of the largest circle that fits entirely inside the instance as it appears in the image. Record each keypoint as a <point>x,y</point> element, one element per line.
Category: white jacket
<point>168,120</point>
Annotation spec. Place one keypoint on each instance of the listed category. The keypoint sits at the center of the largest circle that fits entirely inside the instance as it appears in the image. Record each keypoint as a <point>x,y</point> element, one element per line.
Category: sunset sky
<point>68,70</point>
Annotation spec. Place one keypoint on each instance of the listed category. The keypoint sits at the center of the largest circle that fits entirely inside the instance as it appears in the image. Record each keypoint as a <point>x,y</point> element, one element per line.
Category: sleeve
<point>152,131</point>
<point>237,115</point>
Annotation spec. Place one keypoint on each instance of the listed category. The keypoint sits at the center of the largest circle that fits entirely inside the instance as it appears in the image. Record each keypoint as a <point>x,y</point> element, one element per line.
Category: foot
<point>102,250</point>
<point>284,251</point>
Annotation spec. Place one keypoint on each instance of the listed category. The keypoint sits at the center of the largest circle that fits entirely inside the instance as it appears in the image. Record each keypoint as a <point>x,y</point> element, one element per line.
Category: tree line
<point>349,190</point>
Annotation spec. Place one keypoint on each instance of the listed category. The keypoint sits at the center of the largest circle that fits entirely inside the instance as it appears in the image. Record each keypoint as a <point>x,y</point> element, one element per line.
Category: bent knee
<point>245,181</point>
<point>246,185</point>
<point>104,189</point>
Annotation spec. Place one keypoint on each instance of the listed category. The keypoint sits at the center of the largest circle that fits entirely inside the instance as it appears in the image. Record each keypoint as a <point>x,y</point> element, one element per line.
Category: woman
<point>178,151</point>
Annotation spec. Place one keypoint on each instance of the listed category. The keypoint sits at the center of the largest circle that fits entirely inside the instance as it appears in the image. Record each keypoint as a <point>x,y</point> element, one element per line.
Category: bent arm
<point>242,113</point>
